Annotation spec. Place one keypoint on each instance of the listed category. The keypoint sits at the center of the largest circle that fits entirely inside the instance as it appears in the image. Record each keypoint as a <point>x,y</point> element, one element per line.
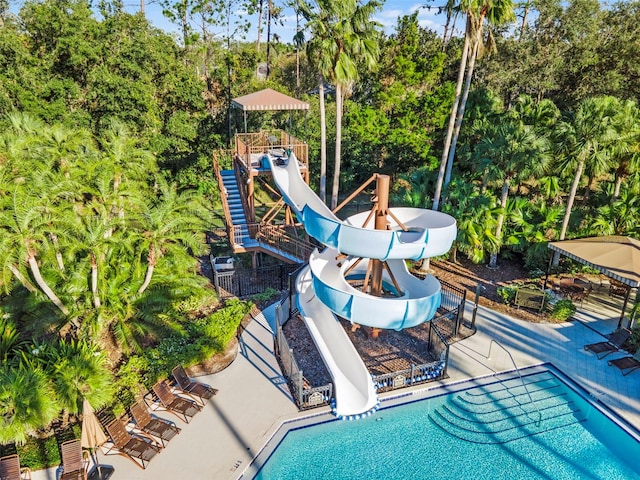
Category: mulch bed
<point>392,350</point>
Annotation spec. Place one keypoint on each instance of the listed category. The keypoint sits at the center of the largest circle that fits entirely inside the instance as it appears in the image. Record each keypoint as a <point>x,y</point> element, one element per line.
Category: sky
<point>387,17</point>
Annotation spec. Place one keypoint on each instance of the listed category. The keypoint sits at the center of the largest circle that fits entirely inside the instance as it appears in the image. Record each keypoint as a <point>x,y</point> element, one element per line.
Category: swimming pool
<point>479,429</point>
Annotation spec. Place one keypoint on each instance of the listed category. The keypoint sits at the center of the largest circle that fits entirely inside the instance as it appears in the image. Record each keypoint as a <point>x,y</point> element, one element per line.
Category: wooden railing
<point>273,236</point>
<point>276,237</point>
<point>265,140</point>
<point>223,191</point>
<point>241,180</point>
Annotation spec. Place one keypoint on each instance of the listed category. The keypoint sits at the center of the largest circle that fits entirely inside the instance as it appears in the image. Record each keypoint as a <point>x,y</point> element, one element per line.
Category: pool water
<point>495,430</point>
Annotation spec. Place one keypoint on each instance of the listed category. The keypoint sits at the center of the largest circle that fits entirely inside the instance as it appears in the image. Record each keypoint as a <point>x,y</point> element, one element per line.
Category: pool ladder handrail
<point>524,385</point>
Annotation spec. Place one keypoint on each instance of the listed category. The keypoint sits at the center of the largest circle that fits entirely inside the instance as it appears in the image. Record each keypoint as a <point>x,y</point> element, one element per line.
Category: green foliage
<point>203,338</point>
<point>80,372</point>
<point>507,294</point>
<point>633,343</point>
<point>27,402</point>
<point>266,296</point>
<point>562,310</point>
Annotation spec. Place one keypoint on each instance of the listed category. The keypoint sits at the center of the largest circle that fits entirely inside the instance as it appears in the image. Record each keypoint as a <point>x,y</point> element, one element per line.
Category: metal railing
<point>438,347</point>
<point>524,385</point>
<point>246,283</point>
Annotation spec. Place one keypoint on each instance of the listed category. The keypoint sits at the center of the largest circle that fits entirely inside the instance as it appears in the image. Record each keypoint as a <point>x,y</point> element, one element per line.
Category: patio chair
<point>138,449</point>
<point>179,406</point>
<point>196,390</point>
<point>10,469</point>
<point>157,427</point>
<point>614,344</point>
<point>75,462</point>
<point>626,365</point>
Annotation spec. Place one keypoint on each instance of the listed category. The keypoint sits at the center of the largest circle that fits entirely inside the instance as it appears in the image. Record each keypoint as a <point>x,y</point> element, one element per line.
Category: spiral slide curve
<point>323,290</point>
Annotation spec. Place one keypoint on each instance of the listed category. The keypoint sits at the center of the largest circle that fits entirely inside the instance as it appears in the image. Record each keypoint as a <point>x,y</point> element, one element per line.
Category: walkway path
<point>253,398</point>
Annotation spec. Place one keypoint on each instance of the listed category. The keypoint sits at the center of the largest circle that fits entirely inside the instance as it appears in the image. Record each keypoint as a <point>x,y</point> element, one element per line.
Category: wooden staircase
<point>246,236</point>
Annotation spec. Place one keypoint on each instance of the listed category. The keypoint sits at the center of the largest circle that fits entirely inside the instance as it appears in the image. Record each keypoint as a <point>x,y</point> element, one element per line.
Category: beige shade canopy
<point>268,99</point>
<point>92,434</point>
<point>615,256</point>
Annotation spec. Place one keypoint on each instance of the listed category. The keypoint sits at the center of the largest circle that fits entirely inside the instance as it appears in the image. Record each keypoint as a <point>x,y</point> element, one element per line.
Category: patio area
<point>253,399</point>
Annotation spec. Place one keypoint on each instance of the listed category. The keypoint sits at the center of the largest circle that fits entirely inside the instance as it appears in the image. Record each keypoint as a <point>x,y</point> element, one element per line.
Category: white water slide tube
<point>354,390</point>
<point>323,288</point>
<point>429,233</point>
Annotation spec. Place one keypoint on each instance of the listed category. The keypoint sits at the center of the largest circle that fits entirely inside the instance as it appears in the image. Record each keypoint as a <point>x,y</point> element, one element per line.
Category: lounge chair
<point>614,344</point>
<point>627,364</point>
<point>197,390</point>
<point>138,449</point>
<point>75,463</point>
<point>10,469</point>
<point>179,406</point>
<point>157,427</point>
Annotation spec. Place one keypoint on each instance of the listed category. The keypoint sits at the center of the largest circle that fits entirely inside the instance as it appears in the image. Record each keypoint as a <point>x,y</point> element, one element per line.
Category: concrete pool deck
<point>253,398</point>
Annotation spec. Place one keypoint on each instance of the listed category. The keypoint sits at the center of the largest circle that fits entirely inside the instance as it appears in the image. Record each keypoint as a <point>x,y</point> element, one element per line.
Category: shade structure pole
<point>546,277</point>
<point>244,114</point>
<point>624,306</point>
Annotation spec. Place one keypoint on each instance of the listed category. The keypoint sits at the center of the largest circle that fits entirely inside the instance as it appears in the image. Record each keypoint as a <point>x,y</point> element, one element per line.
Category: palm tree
<point>626,153</point>
<point>79,371</point>
<point>496,12</point>
<point>23,228</point>
<point>27,402</point>
<point>475,213</point>
<point>173,223</point>
<point>92,238</point>
<point>588,136</point>
<point>510,152</point>
<point>343,35</point>
<point>411,190</point>
<point>317,48</point>
<point>620,217</point>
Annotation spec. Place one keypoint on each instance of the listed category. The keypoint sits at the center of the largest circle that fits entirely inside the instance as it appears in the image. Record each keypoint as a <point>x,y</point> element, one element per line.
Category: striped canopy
<point>615,256</point>
<point>268,99</point>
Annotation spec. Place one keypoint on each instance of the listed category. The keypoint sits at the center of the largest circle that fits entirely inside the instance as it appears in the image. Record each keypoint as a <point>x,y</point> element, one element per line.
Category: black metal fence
<point>305,397</point>
<point>438,348</point>
<point>246,283</point>
<point>241,283</point>
<point>452,307</point>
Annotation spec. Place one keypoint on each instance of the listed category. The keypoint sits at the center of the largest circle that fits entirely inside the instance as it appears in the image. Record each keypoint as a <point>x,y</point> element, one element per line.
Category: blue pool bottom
<point>404,442</point>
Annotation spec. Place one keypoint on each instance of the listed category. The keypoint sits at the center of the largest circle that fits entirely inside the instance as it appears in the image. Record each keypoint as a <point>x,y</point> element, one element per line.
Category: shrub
<point>266,296</point>
<point>507,294</point>
<point>633,343</point>
<point>203,338</point>
<point>563,310</point>
<point>219,328</point>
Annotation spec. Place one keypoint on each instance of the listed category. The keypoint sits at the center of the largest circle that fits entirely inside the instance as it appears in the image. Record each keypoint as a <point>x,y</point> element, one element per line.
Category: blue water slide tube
<point>417,304</point>
<point>428,233</point>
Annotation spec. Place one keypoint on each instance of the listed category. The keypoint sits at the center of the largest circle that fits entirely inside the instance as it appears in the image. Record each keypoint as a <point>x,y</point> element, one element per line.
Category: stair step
<point>508,435</point>
<point>504,420</point>
<point>515,385</point>
<point>504,399</point>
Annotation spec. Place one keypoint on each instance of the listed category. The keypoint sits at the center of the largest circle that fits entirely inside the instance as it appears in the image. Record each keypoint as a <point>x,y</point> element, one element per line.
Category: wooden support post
<point>250,197</point>
<point>381,223</point>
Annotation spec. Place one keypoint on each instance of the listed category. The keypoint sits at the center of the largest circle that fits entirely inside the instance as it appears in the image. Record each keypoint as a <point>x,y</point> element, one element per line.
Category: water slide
<point>324,291</point>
